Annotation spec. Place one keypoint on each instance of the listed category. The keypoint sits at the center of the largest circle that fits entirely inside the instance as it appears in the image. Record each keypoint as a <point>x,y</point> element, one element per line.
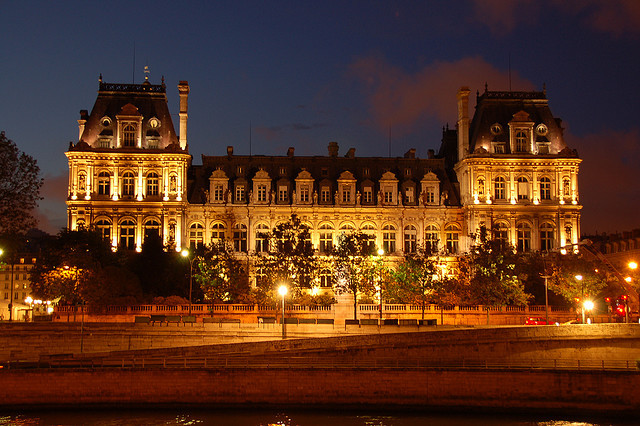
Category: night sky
<point>304,73</point>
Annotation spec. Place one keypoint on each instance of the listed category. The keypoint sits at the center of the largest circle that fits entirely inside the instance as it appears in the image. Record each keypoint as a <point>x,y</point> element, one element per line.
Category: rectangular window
<point>283,194</point>
<point>408,195</point>
<point>262,193</point>
<point>325,194</point>
<point>304,193</point>
<point>240,194</point>
<point>365,172</point>
<point>388,196</point>
<point>346,193</point>
<point>367,196</point>
<point>218,192</point>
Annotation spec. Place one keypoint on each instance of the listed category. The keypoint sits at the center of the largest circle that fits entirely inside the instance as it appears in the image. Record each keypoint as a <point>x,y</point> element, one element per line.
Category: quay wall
<point>493,389</point>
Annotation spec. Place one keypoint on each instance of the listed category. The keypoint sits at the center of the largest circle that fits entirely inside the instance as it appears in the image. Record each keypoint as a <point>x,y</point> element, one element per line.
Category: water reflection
<point>289,418</point>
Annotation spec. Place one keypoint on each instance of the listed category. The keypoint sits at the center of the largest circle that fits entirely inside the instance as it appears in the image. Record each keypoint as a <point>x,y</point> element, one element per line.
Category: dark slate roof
<point>500,107</point>
<point>320,167</point>
<point>150,101</point>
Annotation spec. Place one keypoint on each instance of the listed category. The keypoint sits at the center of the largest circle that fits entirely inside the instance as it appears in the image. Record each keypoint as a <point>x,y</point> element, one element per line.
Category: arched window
<point>104,228</point>
<point>410,239</point>
<point>389,239</point>
<point>524,237</point>
<point>326,278</point>
<point>452,235</point>
<point>196,235</point>
<point>501,234</point>
<point>127,234</point>
<point>431,238</point>
<point>521,142</point>
<point>523,188</point>
<point>326,238</point>
<point>347,228</point>
<point>499,189</point>
<point>545,188</point>
<point>129,135</point>
<point>128,184</point>
<point>261,277</point>
<point>240,237</point>
<point>151,228</point>
<point>104,183</point>
<point>546,237</point>
<point>153,184</point>
<point>261,238</point>
<point>217,232</point>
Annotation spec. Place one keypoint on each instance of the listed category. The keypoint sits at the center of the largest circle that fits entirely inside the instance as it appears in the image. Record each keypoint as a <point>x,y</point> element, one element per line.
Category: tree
<point>19,188</point>
<point>417,277</point>
<point>577,278</point>
<point>290,259</point>
<point>221,275</point>
<point>490,270</point>
<point>354,266</point>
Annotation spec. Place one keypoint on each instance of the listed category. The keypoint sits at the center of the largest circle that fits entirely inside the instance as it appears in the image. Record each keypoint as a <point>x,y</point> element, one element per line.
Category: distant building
<point>506,168</point>
<point>16,274</point>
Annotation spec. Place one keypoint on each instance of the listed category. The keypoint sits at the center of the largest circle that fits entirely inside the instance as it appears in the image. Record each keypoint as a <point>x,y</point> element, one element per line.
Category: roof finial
<point>100,78</point>
<point>486,87</point>
<point>146,73</point>
<point>163,80</point>
<point>544,88</point>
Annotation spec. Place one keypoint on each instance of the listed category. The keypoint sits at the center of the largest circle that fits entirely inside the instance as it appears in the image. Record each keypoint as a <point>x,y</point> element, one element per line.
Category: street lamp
<point>185,253</point>
<point>380,253</point>
<point>579,278</point>
<point>587,305</point>
<point>283,292</point>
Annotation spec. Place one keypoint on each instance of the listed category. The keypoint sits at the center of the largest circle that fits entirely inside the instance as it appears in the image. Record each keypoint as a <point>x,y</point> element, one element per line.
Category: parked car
<point>538,321</point>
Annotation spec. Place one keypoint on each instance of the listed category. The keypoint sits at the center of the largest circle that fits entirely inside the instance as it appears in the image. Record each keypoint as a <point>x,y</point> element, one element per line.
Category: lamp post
<point>579,278</point>
<point>283,292</point>
<point>587,305</point>
<point>11,293</point>
<point>380,253</point>
<point>185,253</point>
<point>546,297</point>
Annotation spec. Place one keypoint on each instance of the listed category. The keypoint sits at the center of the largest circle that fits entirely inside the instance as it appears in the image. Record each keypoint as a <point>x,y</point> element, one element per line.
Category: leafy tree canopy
<point>221,274</point>
<point>20,184</point>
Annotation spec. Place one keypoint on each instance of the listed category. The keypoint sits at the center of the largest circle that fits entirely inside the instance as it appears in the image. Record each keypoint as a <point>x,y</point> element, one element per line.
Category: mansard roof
<point>146,100</point>
<point>329,167</point>
<point>498,107</point>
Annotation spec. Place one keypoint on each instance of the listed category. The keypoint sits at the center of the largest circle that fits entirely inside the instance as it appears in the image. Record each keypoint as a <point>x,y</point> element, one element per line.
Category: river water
<point>116,417</point>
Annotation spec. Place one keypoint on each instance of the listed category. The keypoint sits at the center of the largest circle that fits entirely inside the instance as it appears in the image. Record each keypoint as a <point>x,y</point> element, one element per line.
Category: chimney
<point>230,150</point>
<point>410,154</point>
<point>290,152</point>
<point>84,115</point>
<point>431,154</point>
<point>351,153</point>
<point>463,122</point>
<point>333,149</point>
<point>183,89</point>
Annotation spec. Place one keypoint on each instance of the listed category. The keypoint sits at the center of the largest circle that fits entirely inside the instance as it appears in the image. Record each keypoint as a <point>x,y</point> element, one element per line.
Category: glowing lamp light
<point>185,253</point>
<point>74,197</point>
<point>633,265</point>
<point>563,251</point>
<point>628,279</point>
<point>579,277</point>
<point>28,300</point>
<point>380,252</point>
<point>282,290</point>
<point>588,305</point>
<point>315,291</point>
<point>488,200</point>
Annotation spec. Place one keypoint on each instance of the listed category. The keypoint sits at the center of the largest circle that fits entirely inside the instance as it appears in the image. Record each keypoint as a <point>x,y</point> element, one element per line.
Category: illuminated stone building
<point>507,168</point>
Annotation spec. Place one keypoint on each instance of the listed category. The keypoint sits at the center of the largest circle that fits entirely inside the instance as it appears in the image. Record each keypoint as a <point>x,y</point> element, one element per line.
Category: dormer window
<point>521,141</point>
<point>129,135</point>
<point>496,129</point>
<point>542,130</point>
<point>105,121</point>
<point>154,123</point>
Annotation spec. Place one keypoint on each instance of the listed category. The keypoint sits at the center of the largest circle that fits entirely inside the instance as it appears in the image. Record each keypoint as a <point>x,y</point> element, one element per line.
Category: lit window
<point>410,239</point>
<point>326,278</point>
<point>523,188</point>
<point>262,193</point>
<point>240,237</point>
<point>431,238</point>
<point>283,194</point>
<point>388,196</point>
<point>521,142</point>
<point>217,232</point>
<point>501,234</point>
<point>367,195</point>
<point>524,237</point>
<point>128,184</point>
<point>104,183</point>
<point>546,237</point>
<point>346,194</point>
<point>389,239</point>
<point>127,234</point>
<point>129,135</point>
<point>326,238</point>
<point>545,188</point>
<point>261,240</point>
<point>196,235</point>
<point>240,193</point>
<point>452,235</point>
<point>408,195</point>
<point>304,193</point>
<point>153,184</point>
<point>325,194</point>
<point>218,192</point>
<point>499,189</point>
<point>104,228</point>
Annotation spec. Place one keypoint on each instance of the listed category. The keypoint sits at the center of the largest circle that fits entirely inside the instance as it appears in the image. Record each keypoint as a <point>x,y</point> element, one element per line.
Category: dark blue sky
<point>303,73</point>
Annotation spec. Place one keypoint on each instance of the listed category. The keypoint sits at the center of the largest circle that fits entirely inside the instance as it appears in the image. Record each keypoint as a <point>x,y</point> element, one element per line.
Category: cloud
<point>269,133</point>
<point>51,211</point>
<point>617,17</point>
<point>402,100</point>
<point>608,180</point>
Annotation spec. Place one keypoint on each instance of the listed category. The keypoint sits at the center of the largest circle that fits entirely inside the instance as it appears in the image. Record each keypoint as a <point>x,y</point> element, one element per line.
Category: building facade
<point>506,168</point>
